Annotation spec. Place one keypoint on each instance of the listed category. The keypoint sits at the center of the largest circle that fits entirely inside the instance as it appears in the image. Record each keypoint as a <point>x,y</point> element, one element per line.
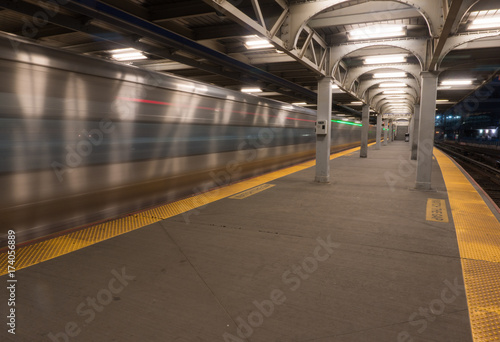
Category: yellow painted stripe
<point>436,210</point>
<point>478,235</point>
<point>49,249</point>
<point>251,192</point>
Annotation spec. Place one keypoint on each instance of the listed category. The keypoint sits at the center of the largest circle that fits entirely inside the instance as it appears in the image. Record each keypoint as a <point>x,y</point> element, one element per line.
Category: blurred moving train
<point>84,139</point>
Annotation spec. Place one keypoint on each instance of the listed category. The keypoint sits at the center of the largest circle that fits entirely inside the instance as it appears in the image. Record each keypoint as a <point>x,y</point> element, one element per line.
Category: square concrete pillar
<point>379,132</point>
<point>426,130</point>
<point>323,142</point>
<point>364,131</point>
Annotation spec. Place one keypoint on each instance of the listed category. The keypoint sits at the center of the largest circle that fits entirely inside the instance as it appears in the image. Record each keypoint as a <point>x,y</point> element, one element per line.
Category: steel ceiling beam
<point>131,23</point>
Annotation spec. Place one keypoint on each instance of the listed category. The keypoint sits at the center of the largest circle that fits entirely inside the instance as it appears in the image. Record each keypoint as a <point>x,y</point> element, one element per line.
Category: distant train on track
<point>84,139</point>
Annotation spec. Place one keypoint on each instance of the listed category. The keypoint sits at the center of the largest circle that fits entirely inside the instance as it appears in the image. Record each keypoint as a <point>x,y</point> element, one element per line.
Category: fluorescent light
<point>127,55</point>
<point>456,82</point>
<point>443,101</point>
<point>390,75</point>
<point>486,22</point>
<point>357,103</point>
<point>258,44</point>
<point>393,85</point>
<point>300,103</point>
<point>392,92</point>
<point>377,31</point>
<point>387,59</point>
<point>334,86</point>
<point>251,90</point>
<point>444,88</point>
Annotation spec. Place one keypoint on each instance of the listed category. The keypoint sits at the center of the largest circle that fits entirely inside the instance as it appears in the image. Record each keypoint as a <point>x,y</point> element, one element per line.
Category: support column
<point>323,142</point>
<point>379,131</point>
<point>364,131</point>
<point>426,130</point>
<point>414,133</point>
<point>410,130</point>
<point>391,131</point>
<point>386,132</point>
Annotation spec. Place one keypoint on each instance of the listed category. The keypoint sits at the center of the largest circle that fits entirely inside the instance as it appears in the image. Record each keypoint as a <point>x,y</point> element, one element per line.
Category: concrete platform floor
<point>351,261</point>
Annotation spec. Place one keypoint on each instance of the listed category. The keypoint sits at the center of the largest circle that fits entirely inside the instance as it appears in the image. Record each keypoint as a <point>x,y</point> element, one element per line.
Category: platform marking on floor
<point>253,191</point>
<point>65,243</point>
<point>478,235</point>
<point>436,210</point>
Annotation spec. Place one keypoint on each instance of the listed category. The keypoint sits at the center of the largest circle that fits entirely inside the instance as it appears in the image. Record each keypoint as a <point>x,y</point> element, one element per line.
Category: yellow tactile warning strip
<point>436,210</point>
<point>253,191</point>
<point>478,235</point>
<point>48,249</point>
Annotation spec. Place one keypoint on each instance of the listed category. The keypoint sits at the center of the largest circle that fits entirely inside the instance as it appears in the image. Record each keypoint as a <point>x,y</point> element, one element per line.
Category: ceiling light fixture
<point>255,43</point>
<point>387,59</point>
<point>389,75</point>
<point>487,21</point>
<point>123,55</point>
<point>393,85</point>
<point>377,31</point>
<point>456,82</point>
<point>251,90</point>
<point>394,92</point>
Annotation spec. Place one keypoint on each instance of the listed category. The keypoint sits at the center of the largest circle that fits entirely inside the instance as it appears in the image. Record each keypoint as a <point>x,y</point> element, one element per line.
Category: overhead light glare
<point>390,75</point>
<point>251,90</point>
<point>377,31</point>
<point>130,54</point>
<point>387,59</point>
<point>254,44</point>
<point>393,85</point>
<point>394,92</point>
<point>485,21</point>
<point>456,82</point>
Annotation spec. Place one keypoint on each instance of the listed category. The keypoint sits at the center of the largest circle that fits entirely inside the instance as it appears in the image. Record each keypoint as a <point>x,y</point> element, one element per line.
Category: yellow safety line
<point>478,235</point>
<point>48,249</point>
<point>252,191</point>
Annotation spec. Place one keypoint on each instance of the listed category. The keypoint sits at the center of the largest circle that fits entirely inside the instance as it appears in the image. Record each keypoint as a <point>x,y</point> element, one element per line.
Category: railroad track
<point>486,175</point>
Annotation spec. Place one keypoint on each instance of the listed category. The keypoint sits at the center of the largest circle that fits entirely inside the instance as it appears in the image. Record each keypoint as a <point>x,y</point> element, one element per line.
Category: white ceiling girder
<point>282,23</point>
<point>464,10</point>
<point>365,85</point>
<point>379,100</point>
<point>417,46</point>
<point>454,42</point>
<point>326,19</point>
<point>302,13</point>
<point>354,73</point>
<point>379,91</point>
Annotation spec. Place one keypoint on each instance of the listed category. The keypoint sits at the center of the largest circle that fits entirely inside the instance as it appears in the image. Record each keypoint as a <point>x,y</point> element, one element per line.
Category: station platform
<point>278,258</point>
